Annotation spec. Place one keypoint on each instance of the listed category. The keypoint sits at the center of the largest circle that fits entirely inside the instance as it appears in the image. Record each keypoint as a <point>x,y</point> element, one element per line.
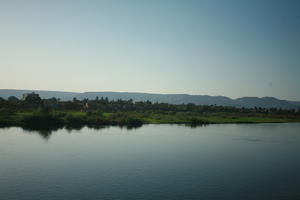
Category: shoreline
<point>74,120</point>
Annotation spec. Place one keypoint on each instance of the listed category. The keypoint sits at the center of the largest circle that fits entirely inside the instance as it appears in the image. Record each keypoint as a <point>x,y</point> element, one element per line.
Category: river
<point>227,161</point>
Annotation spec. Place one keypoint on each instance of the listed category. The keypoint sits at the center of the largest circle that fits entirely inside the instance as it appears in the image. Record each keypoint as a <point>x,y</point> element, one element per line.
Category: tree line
<point>34,102</point>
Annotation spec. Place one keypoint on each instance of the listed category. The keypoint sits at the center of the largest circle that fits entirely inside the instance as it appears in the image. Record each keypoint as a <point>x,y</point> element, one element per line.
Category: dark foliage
<point>104,105</point>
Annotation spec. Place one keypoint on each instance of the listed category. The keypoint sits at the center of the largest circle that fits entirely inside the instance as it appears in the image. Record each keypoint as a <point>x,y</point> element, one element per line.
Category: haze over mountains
<point>249,102</point>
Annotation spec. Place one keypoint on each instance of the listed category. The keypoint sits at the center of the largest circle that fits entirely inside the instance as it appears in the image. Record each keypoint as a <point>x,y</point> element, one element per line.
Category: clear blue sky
<point>232,48</point>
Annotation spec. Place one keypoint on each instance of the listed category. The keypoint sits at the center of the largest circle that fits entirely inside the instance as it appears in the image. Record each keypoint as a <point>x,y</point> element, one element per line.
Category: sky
<point>232,48</point>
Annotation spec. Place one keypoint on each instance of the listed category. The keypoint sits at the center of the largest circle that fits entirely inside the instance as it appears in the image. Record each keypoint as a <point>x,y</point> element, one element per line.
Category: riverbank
<point>133,119</point>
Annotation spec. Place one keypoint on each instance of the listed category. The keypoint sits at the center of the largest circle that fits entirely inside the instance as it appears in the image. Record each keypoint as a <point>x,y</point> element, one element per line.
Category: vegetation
<point>34,112</point>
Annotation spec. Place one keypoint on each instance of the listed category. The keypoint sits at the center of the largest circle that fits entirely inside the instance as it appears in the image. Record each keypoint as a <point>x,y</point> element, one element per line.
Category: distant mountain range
<point>249,102</point>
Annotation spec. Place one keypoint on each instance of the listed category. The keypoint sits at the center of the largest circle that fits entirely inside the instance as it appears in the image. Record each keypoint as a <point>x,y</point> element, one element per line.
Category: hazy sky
<point>231,48</point>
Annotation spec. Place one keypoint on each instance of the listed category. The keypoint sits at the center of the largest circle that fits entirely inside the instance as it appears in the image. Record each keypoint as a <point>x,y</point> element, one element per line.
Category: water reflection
<point>46,131</point>
<point>232,161</point>
<point>193,126</point>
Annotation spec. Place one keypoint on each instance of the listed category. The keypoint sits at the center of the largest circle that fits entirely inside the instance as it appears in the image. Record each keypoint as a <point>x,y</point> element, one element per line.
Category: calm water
<point>255,161</point>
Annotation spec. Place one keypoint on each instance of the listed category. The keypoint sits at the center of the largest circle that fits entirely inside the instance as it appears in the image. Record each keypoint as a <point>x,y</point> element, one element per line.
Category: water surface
<point>250,161</point>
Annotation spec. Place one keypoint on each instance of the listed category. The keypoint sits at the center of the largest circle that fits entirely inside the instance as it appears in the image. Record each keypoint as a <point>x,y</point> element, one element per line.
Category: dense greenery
<point>34,112</point>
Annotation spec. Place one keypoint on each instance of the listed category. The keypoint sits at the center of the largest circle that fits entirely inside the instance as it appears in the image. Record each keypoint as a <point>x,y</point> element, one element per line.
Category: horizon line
<point>154,93</point>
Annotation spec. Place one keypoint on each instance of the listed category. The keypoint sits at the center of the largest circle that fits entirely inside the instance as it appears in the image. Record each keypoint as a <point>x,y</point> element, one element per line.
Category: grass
<point>215,118</point>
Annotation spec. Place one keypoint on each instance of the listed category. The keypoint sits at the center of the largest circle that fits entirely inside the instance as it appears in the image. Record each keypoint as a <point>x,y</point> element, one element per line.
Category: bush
<point>75,120</point>
<point>131,121</point>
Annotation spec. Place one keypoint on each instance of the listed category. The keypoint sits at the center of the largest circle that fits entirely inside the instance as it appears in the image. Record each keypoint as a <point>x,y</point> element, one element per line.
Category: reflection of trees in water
<point>46,131</point>
<point>74,127</point>
<point>43,133</point>
<point>195,125</point>
<point>4,126</point>
<point>131,127</point>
